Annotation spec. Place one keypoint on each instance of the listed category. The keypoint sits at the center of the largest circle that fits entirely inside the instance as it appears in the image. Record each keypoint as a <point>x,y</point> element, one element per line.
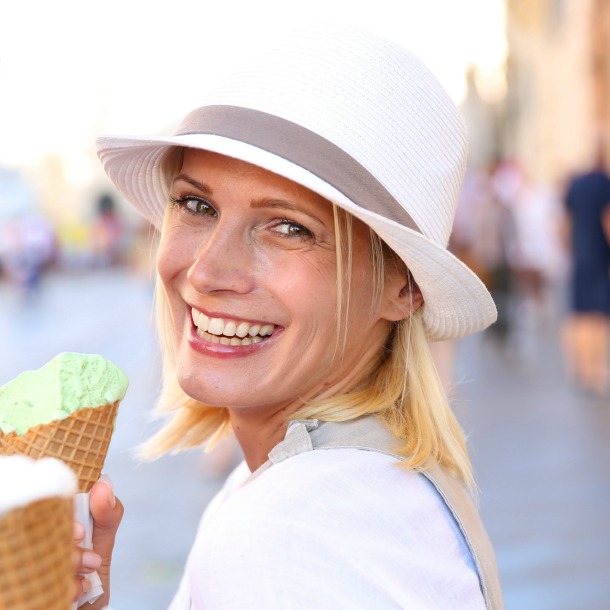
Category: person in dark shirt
<point>588,230</point>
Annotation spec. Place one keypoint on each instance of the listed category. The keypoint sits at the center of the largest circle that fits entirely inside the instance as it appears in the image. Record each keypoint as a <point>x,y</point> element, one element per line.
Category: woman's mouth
<point>230,332</point>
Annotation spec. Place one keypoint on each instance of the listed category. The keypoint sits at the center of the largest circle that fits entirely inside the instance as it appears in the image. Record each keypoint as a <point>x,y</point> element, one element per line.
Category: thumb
<point>107,512</point>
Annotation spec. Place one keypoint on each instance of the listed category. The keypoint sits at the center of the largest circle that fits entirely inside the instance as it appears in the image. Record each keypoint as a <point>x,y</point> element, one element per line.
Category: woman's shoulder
<point>336,484</point>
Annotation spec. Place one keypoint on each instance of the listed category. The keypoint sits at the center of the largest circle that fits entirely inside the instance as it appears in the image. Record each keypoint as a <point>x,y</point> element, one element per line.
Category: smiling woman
<point>304,211</point>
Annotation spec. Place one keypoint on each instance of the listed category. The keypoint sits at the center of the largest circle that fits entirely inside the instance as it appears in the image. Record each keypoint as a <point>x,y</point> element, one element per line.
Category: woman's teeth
<point>230,332</point>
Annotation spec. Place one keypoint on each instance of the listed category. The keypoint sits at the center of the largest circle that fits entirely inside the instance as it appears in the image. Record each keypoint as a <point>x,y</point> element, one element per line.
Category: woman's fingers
<point>107,512</point>
<point>79,532</point>
<point>86,561</point>
<point>81,586</point>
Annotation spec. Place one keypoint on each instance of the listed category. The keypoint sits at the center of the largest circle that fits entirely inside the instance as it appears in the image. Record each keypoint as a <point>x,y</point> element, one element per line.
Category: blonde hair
<point>404,388</point>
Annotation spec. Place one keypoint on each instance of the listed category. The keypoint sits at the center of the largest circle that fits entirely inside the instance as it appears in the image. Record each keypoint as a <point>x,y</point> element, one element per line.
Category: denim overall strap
<point>369,434</point>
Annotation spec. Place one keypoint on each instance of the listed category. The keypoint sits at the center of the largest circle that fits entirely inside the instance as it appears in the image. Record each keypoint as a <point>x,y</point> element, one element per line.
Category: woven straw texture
<point>36,571</point>
<point>80,440</point>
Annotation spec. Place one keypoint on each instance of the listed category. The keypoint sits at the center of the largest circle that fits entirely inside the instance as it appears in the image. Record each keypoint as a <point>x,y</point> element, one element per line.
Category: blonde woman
<point>304,211</point>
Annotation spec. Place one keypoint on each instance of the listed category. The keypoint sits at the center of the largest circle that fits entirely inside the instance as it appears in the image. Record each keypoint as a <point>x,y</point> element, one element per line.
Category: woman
<point>304,213</point>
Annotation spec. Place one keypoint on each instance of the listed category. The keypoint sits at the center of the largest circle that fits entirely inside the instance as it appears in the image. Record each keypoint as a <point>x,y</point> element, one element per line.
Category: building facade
<point>557,106</point>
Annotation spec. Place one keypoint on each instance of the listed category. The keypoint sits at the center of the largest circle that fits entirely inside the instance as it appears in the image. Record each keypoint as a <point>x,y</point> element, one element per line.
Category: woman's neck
<point>258,433</point>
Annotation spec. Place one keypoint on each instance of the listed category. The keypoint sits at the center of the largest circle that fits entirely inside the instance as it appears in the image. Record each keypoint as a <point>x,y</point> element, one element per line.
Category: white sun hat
<point>355,118</point>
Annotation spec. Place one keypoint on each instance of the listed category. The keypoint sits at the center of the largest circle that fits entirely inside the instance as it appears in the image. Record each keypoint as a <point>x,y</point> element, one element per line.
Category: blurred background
<point>532,78</point>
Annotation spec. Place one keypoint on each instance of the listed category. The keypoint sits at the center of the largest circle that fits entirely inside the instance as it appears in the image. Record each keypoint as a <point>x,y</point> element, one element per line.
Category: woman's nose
<point>224,262</point>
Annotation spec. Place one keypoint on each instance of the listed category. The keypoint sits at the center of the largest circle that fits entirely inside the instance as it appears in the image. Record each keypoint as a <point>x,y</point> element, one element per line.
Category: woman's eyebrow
<point>200,186</point>
<point>284,205</point>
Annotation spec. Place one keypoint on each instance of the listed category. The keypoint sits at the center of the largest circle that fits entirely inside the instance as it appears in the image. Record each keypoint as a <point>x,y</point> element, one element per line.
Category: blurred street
<point>541,448</point>
<point>541,451</point>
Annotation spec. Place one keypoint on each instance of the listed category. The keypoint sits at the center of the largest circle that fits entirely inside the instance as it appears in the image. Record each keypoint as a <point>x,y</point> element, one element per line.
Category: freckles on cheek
<point>314,295</point>
<point>321,272</point>
<point>314,285</point>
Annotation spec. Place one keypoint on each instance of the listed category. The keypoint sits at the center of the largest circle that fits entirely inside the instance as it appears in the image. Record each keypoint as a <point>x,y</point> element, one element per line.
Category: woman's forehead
<point>194,158</point>
<point>205,163</point>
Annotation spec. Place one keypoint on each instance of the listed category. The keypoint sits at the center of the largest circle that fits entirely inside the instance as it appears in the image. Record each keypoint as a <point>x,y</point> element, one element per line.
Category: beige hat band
<point>314,153</point>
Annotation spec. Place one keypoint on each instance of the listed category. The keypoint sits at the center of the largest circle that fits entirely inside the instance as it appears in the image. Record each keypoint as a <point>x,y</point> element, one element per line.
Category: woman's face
<point>249,266</point>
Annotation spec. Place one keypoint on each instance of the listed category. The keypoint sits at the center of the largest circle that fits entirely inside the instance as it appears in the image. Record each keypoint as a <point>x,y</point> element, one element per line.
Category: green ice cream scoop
<point>69,382</point>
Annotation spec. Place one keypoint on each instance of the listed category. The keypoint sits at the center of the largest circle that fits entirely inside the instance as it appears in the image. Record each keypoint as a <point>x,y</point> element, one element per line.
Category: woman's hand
<point>107,512</point>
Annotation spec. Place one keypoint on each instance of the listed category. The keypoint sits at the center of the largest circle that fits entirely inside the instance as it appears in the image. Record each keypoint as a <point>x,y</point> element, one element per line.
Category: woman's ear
<point>402,297</point>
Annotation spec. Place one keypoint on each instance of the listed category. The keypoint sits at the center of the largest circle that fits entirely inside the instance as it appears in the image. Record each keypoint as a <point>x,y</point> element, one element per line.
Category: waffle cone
<point>36,571</point>
<point>80,440</point>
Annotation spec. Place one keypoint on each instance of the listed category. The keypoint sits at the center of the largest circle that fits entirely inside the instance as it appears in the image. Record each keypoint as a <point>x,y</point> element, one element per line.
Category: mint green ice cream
<point>69,382</point>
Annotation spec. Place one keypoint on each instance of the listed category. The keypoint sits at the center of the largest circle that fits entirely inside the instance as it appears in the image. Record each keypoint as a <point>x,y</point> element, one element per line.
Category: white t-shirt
<point>326,530</point>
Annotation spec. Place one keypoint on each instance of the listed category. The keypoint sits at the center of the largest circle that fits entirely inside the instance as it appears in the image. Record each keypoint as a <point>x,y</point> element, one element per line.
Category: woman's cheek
<point>164,265</point>
<point>170,257</point>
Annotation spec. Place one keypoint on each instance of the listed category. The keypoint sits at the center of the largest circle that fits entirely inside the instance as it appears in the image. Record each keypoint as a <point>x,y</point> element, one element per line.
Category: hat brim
<point>456,302</point>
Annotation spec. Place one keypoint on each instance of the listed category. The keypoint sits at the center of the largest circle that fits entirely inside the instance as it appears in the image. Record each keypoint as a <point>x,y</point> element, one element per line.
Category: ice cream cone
<point>80,440</point>
<point>36,546</point>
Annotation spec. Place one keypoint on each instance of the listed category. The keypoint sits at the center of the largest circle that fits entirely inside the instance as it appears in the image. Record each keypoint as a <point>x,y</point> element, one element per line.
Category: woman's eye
<point>293,229</point>
<point>195,205</point>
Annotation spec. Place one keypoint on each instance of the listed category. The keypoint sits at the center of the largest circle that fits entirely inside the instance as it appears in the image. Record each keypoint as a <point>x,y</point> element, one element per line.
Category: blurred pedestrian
<point>304,212</point>
<point>27,248</point>
<point>483,233</point>
<point>107,232</point>
<point>587,329</point>
<point>535,254</point>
